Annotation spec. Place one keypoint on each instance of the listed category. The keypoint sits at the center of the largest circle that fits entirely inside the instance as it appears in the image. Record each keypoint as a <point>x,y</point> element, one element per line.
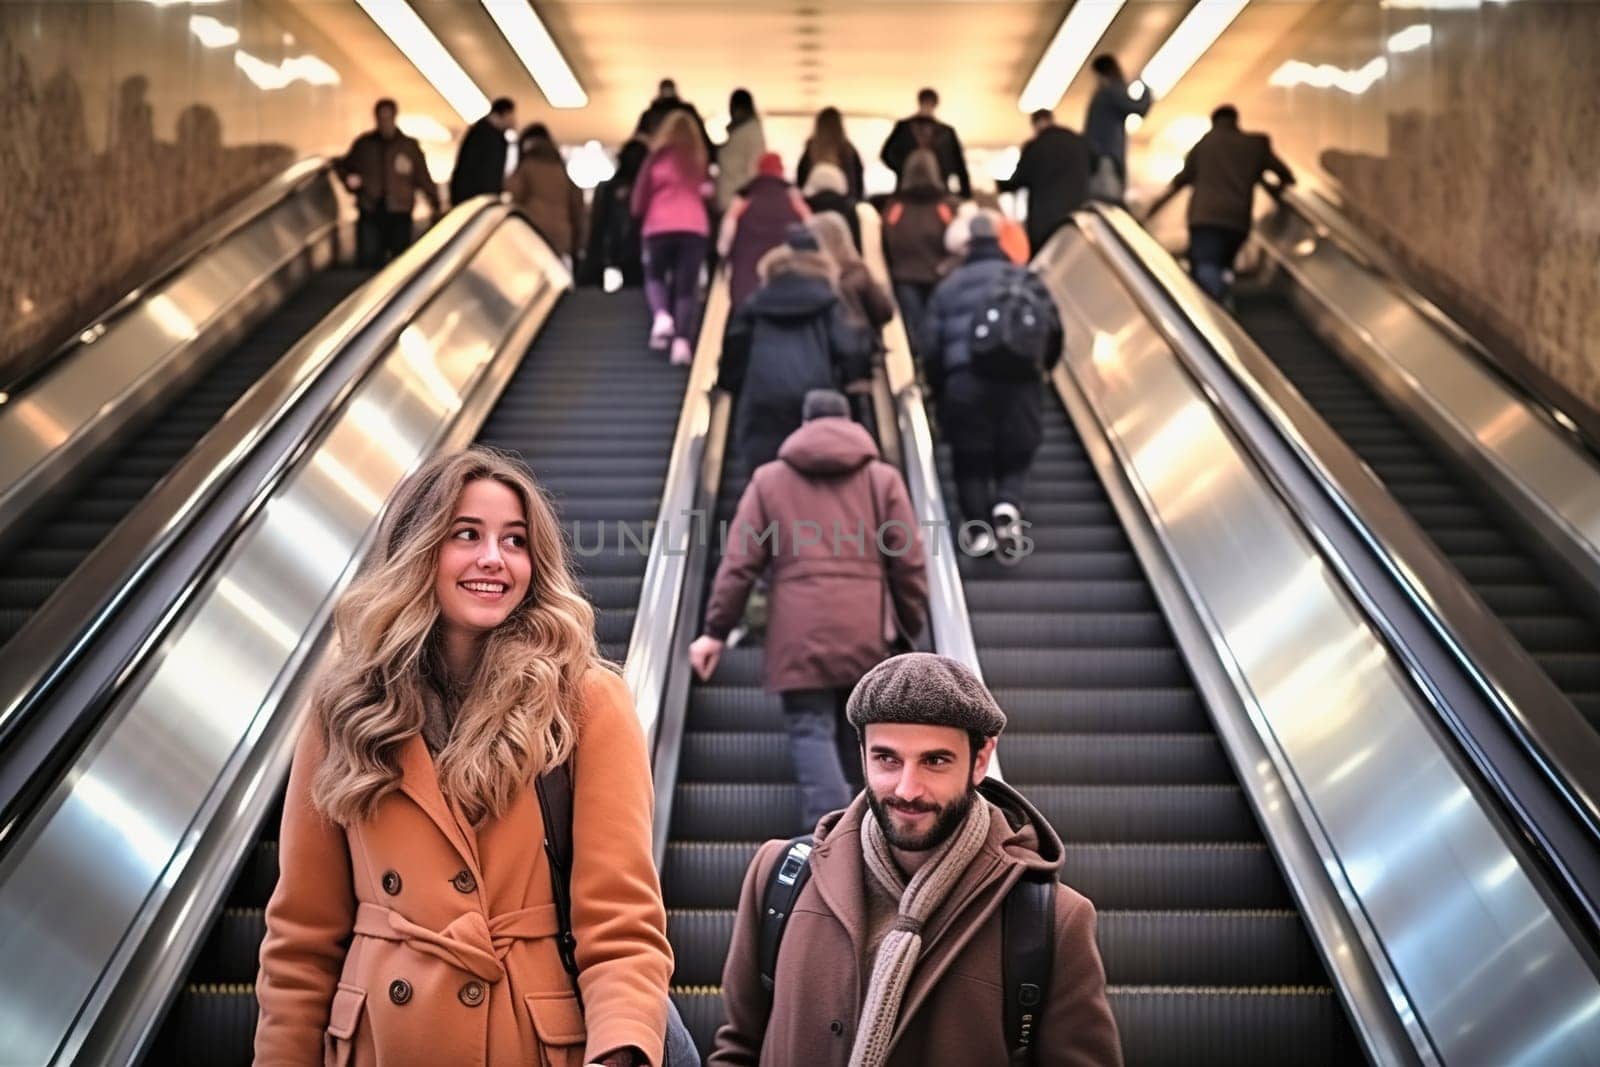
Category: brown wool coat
<point>952,1014</point>
<point>542,189</point>
<point>453,958</point>
<point>827,613</point>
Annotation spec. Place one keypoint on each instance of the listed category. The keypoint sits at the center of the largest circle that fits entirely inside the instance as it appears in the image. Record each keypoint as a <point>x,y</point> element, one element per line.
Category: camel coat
<point>451,953</point>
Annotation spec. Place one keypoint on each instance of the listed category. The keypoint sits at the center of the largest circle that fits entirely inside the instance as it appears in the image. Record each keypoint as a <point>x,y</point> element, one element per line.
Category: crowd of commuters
<point>469,690</point>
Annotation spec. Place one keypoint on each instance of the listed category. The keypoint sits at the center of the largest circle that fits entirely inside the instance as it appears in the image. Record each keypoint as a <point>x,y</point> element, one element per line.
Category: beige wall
<point>1475,157</point>
<point>120,131</point>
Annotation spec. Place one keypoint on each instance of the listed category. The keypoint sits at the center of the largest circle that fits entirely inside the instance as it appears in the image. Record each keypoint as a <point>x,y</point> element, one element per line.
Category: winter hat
<point>824,404</point>
<point>826,178</point>
<point>799,237</point>
<point>770,165</point>
<point>923,688</point>
<point>982,227</point>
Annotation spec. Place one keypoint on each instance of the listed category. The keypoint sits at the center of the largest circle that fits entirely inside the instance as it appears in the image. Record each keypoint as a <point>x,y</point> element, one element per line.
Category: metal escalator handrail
<point>1318,209</point>
<point>276,190</point>
<point>1430,907</point>
<point>947,598</point>
<point>1551,732</point>
<point>90,595</point>
<point>67,624</point>
<point>324,492</point>
<point>680,526</point>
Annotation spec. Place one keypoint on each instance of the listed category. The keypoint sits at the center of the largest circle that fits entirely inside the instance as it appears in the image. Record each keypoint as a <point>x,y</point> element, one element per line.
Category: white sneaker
<point>1008,533</point>
<point>661,331</point>
<point>682,353</point>
<point>978,544</point>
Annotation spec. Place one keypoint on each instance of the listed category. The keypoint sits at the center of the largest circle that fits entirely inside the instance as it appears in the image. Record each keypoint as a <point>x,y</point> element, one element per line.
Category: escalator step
<point>986,595</point>
<point>213,1025</point>
<point>233,948</point>
<point>705,874</point>
<point>1109,759</point>
<point>1175,877</point>
<point>1081,668</point>
<point>1218,1027</point>
<point>994,629</point>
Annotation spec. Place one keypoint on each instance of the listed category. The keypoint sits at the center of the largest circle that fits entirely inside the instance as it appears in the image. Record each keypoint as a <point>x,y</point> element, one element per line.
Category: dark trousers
<point>381,236</point>
<point>994,429</point>
<point>827,760</point>
<point>913,299</point>
<point>1211,253</point>
<point>672,263</point>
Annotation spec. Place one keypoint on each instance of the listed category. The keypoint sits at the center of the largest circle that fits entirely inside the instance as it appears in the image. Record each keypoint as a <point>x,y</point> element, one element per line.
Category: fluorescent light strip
<point>409,34</point>
<point>527,36</point>
<point>1197,32</point>
<point>1411,38</point>
<point>1069,50</point>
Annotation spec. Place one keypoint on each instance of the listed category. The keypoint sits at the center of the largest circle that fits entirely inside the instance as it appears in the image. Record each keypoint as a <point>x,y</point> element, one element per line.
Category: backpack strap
<point>788,878</point>
<point>555,804</point>
<point>1027,936</point>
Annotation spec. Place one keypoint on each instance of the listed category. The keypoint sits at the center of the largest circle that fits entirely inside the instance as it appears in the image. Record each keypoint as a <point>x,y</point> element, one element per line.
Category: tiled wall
<point>122,126</point>
<point>1467,137</point>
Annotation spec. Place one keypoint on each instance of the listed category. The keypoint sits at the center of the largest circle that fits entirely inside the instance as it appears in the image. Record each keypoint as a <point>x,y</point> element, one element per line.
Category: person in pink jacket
<point>669,199</point>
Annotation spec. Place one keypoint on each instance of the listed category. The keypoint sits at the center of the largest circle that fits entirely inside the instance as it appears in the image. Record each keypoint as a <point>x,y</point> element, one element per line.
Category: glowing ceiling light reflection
<point>1411,38</point>
<point>525,32</point>
<point>1069,50</point>
<point>213,33</point>
<point>1197,32</point>
<point>270,76</point>
<point>425,128</point>
<point>406,29</point>
<point>1327,76</point>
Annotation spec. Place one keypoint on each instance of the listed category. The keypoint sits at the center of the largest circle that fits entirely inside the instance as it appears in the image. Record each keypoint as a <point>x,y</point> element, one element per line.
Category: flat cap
<point>926,689</point>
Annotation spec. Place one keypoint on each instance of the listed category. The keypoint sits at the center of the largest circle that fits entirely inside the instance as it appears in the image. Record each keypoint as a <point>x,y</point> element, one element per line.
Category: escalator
<point>1536,606</point>
<point>70,529</point>
<point>1207,960</point>
<point>593,413</point>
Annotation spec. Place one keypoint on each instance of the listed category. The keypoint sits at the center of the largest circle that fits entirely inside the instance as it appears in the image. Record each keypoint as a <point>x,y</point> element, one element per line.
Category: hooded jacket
<point>756,221</point>
<point>829,609</point>
<point>541,188</point>
<point>913,235</point>
<point>792,336</point>
<point>952,1013</point>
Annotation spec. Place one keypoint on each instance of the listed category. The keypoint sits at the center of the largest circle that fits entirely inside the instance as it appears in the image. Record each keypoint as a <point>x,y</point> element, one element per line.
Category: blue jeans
<point>1211,253</point>
<point>821,746</point>
<point>913,299</point>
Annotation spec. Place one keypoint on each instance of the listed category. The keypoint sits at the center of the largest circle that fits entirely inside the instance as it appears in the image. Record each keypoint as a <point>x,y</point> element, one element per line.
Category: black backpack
<point>1027,937</point>
<point>1011,331</point>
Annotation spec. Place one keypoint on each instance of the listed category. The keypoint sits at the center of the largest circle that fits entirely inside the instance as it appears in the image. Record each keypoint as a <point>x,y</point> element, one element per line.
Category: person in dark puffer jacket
<point>792,336</point>
<point>994,426</point>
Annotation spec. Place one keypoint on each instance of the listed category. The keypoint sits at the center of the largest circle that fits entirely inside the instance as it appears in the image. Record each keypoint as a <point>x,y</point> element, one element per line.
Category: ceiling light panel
<point>525,32</point>
<point>408,32</point>
<point>1069,50</point>
<point>1197,32</point>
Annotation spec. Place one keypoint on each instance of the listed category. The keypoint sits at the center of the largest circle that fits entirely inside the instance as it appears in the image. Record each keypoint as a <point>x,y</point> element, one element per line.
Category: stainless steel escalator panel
<point>93,868</point>
<point>1511,443</point>
<point>101,387</point>
<point>1478,966</point>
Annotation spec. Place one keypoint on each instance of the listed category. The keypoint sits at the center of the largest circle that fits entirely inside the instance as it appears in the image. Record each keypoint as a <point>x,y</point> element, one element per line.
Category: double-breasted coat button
<point>391,883</point>
<point>399,990</point>
<point>464,882</point>
<point>837,1027</point>
<point>471,994</point>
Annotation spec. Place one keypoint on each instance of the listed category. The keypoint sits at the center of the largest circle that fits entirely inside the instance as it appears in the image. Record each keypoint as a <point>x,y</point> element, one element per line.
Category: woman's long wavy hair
<point>828,143</point>
<point>513,715</point>
<point>679,134</point>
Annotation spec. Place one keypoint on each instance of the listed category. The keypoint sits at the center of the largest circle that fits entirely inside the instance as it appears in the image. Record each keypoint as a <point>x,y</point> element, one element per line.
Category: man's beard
<point>946,820</point>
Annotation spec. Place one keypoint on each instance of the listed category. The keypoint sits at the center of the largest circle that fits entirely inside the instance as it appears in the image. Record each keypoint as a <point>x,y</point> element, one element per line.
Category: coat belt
<point>471,941</point>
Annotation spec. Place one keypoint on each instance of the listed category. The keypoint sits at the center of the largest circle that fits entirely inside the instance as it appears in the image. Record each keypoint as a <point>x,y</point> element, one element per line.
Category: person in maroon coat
<point>847,582</point>
<point>756,221</point>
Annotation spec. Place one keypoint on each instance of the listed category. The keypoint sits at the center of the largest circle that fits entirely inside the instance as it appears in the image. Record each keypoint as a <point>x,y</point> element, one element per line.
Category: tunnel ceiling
<point>867,57</point>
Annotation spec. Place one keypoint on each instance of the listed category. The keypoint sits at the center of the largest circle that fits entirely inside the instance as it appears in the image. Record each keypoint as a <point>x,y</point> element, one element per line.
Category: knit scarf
<point>902,945</point>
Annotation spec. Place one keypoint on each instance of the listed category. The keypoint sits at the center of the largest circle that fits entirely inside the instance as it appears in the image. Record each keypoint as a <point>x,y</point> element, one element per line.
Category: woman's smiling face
<point>484,567</point>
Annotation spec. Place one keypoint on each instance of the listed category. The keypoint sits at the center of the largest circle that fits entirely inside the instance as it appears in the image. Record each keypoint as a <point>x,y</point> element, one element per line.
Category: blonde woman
<point>669,200</point>
<point>414,918</point>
